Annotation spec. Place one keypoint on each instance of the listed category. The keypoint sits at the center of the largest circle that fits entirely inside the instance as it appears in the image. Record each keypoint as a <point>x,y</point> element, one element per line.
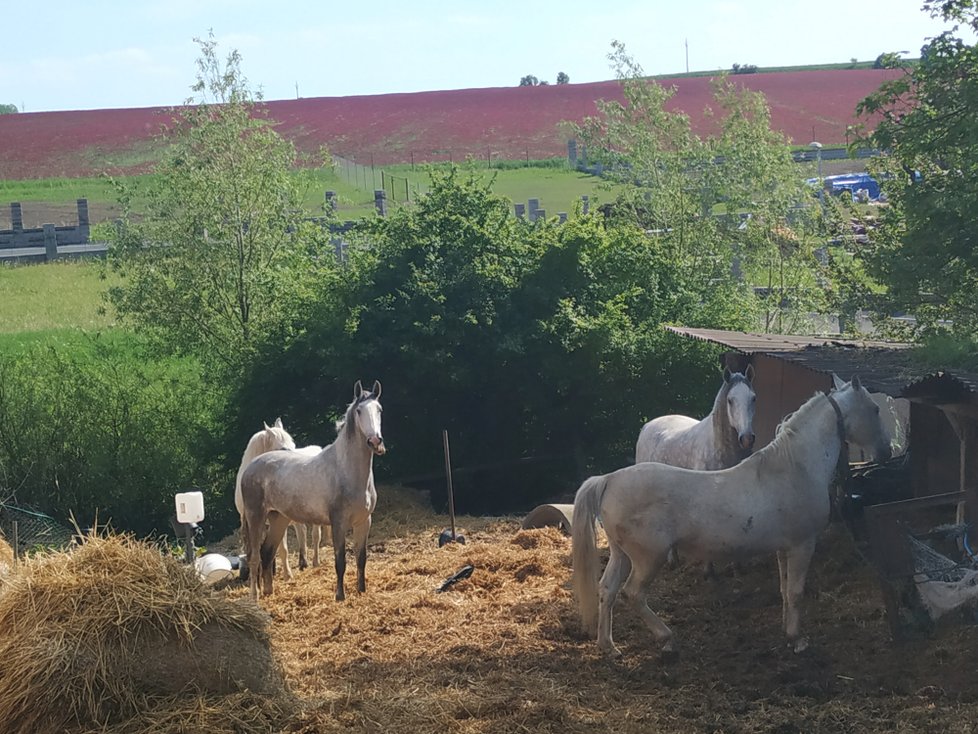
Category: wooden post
<point>50,242</point>
<point>380,202</point>
<point>16,217</point>
<point>15,536</point>
<point>448,475</point>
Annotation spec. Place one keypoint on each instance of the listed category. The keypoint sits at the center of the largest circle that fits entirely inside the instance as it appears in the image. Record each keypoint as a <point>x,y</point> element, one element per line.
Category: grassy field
<point>54,296</point>
<point>559,189</point>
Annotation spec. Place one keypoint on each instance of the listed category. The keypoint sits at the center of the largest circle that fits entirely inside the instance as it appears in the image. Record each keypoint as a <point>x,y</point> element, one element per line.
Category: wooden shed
<point>936,410</point>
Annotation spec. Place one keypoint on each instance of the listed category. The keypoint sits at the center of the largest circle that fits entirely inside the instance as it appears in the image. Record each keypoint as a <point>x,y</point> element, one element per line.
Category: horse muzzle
<point>747,441</point>
<point>376,444</point>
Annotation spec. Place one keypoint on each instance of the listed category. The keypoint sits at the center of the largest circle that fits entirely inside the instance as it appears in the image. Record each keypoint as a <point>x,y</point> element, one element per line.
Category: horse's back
<point>665,439</point>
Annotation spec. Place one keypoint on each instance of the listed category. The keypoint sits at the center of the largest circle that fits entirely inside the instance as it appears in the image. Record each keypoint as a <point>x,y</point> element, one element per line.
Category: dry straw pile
<point>7,559</point>
<point>114,636</point>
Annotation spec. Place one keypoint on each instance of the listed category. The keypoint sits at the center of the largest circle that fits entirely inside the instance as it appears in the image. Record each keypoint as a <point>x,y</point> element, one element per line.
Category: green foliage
<point>731,197</point>
<point>8,109</point>
<point>212,265</point>
<point>562,78</point>
<point>924,251</point>
<point>522,340</point>
<point>95,426</point>
<point>529,81</point>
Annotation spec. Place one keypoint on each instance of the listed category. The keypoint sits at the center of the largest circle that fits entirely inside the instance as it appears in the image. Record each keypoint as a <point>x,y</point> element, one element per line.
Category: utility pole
<point>687,55</point>
<point>297,97</point>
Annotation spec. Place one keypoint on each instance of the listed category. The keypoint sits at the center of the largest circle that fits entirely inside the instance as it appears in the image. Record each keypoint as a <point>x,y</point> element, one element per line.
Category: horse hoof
<point>303,565</point>
<point>799,645</point>
<point>670,652</point>
<point>610,650</point>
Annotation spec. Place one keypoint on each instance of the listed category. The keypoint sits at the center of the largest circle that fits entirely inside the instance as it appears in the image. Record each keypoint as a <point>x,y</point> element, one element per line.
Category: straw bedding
<point>500,651</point>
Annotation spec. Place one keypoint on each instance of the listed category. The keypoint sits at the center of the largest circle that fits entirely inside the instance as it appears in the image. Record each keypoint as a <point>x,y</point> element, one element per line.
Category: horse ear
<point>357,390</point>
<point>267,427</point>
<point>836,382</point>
<point>749,373</point>
<point>726,374</point>
<point>856,382</point>
<point>377,389</point>
<point>278,423</point>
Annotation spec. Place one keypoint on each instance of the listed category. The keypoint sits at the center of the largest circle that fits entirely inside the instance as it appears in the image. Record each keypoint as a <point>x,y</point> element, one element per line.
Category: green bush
<point>95,427</point>
<point>522,340</point>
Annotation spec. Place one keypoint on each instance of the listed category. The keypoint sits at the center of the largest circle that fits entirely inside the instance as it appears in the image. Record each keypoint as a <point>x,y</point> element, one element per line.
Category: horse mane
<point>782,446</point>
<point>347,425</point>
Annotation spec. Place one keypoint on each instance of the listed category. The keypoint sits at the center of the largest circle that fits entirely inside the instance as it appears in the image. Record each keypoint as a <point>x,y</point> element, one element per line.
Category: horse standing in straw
<point>776,500</point>
<point>273,438</point>
<point>720,440</point>
<point>270,438</point>
<point>333,487</point>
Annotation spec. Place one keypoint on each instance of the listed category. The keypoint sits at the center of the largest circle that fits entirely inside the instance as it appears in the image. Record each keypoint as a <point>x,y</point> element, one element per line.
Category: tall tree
<point>213,263</point>
<point>925,248</point>
<point>727,204</point>
<point>8,109</point>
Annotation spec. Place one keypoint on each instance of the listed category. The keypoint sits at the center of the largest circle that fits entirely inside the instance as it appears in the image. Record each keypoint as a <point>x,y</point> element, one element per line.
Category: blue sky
<point>65,55</point>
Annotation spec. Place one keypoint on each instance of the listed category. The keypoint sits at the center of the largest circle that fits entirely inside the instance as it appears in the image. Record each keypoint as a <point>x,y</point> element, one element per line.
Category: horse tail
<point>584,553</point>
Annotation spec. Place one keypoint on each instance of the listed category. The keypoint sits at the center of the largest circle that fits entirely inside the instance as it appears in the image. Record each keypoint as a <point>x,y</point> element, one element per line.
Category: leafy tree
<point>213,265</point>
<point>522,340</point>
<point>529,81</point>
<point>923,249</point>
<point>562,78</point>
<point>8,109</point>
<point>732,198</point>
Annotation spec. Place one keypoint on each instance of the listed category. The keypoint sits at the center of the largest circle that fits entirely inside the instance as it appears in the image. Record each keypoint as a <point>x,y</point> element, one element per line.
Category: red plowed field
<point>509,122</point>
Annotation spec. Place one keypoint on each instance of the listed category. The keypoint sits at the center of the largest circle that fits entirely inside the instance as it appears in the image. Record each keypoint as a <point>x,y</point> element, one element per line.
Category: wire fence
<point>27,530</point>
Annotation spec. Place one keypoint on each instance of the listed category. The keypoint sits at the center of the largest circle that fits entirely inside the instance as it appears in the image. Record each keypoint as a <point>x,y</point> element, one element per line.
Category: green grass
<point>558,188</point>
<point>52,296</point>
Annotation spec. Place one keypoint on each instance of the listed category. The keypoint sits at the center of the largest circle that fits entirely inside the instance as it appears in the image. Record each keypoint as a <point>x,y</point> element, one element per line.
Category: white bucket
<point>213,568</point>
<point>190,506</point>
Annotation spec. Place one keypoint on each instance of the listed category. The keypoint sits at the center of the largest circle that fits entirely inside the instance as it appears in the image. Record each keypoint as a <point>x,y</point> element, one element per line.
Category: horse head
<point>276,437</point>
<point>740,401</point>
<point>861,417</point>
<point>368,411</point>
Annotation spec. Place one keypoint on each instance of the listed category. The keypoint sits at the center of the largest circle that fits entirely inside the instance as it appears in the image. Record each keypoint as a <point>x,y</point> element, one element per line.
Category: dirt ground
<point>501,651</point>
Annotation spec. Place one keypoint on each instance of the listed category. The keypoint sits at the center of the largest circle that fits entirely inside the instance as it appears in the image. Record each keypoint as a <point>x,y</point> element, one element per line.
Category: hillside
<point>511,122</point>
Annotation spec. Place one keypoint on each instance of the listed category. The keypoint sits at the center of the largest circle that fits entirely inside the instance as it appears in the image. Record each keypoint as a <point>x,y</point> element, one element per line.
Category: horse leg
<point>283,554</point>
<point>783,581</point>
<point>278,524</point>
<point>300,531</point>
<point>611,581</point>
<point>636,590</point>
<point>254,528</point>
<point>245,572</point>
<point>339,554</point>
<point>317,539</point>
<point>798,560</point>
<point>360,533</point>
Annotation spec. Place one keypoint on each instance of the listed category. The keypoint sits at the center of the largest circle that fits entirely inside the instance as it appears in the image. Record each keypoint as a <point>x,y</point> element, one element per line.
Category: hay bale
<point>113,624</point>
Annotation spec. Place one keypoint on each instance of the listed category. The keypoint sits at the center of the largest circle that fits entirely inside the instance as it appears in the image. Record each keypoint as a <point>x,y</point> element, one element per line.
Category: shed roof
<point>885,367</point>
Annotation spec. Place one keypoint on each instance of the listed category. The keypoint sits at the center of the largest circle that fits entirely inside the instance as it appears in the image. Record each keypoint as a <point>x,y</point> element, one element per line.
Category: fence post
<point>531,209</point>
<point>520,210</point>
<point>540,214</point>
<point>331,202</point>
<point>16,217</point>
<point>380,201</point>
<point>587,204</point>
<point>562,216</point>
<point>572,153</point>
<point>83,221</point>
<point>50,242</point>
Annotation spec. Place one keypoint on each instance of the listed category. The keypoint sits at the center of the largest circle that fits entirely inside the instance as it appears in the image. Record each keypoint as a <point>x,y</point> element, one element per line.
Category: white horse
<point>333,487</point>
<point>776,500</point>
<point>722,439</point>
<point>270,438</point>
<point>273,438</point>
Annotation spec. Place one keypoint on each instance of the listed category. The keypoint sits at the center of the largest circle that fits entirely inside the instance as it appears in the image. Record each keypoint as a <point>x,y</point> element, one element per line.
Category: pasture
<point>53,200</point>
<point>56,296</point>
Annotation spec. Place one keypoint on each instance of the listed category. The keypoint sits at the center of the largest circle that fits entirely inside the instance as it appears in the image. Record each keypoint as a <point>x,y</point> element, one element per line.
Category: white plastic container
<point>190,506</point>
<point>213,568</point>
